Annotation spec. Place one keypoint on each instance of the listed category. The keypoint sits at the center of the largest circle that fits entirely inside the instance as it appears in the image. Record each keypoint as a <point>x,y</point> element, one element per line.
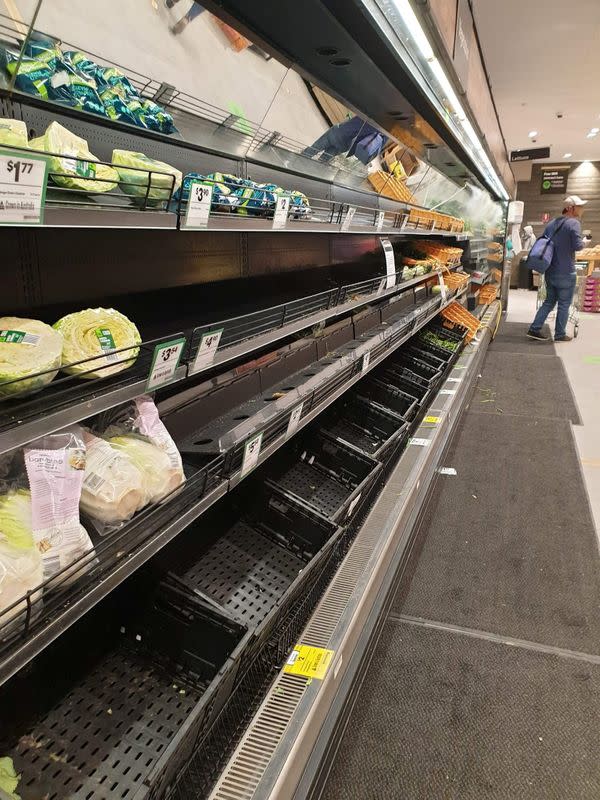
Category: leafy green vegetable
<point>144,178</point>
<point>160,478</point>
<point>9,780</point>
<point>27,346</point>
<point>13,133</point>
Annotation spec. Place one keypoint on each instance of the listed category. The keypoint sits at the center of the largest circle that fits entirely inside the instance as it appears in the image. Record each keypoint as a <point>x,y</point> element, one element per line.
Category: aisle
<point>486,680</point>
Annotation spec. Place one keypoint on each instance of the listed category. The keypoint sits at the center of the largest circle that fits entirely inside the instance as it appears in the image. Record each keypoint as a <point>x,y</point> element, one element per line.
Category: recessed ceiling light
<point>531,134</point>
<point>567,155</point>
<point>592,135</point>
<point>595,130</point>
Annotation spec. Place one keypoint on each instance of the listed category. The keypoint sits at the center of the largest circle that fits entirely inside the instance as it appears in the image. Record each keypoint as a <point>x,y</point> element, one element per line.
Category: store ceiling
<point>543,59</point>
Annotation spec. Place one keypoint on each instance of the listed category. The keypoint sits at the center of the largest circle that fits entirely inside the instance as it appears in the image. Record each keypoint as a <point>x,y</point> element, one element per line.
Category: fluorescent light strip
<point>422,42</point>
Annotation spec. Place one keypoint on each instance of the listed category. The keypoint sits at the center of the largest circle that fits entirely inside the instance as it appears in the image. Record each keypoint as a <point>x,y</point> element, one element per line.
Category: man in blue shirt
<point>561,276</point>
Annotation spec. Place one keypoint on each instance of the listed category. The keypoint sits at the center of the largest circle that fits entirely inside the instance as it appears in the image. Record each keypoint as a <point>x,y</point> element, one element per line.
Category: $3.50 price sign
<point>23,181</point>
<point>165,361</point>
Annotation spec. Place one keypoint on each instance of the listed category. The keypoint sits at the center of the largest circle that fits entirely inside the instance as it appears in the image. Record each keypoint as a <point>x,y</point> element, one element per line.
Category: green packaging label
<point>85,169</point>
<point>18,337</point>
<point>105,338</point>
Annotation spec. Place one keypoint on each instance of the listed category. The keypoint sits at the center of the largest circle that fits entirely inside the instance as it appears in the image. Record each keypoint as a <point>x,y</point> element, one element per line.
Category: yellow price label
<point>310,662</point>
<point>433,420</point>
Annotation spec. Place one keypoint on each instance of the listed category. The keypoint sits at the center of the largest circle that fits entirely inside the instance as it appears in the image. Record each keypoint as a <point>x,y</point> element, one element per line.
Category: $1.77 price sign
<point>165,361</point>
<point>23,181</point>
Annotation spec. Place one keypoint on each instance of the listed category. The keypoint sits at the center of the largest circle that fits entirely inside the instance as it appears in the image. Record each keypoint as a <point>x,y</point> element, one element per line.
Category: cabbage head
<point>160,478</point>
<point>9,780</point>
<point>27,346</point>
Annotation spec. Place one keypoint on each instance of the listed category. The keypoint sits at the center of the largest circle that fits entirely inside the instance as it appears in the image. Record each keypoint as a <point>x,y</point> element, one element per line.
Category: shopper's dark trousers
<point>559,290</point>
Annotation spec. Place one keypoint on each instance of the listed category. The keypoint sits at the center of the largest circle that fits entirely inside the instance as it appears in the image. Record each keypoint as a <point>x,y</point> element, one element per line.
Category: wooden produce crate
<point>390,186</point>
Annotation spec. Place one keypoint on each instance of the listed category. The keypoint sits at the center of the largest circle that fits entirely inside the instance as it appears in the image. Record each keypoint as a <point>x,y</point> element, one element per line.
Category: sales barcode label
<point>93,482</point>
<point>51,565</point>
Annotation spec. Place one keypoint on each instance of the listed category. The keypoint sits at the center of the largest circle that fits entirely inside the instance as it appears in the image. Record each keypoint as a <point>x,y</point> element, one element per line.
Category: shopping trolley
<point>573,308</point>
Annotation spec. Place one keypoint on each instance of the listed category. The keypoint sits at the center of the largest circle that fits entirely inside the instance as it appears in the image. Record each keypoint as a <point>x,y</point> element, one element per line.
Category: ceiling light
<point>592,135</point>
<point>595,130</point>
<point>531,134</point>
<point>567,155</point>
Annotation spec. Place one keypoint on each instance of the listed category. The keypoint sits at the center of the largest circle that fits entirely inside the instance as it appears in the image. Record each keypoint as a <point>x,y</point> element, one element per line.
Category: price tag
<point>294,420</point>
<point>23,181</point>
<point>433,420</point>
<point>366,360</point>
<point>251,453</point>
<point>353,505</point>
<point>447,471</point>
<point>420,442</point>
<point>309,662</point>
<point>443,287</point>
<point>447,391</point>
<point>282,206</point>
<point>347,221</point>
<point>454,380</point>
<point>165,361</point>
<point>390,263</point>
<point>198,207</point>
<point>207,350</point>
<point>380,220</point>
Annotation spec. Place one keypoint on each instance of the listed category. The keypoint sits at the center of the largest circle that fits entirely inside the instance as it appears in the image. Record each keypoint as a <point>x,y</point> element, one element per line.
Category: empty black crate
<point>428,375</point>
<point>417,350</point>
<point>408,382</point>
<point>386,395</point>
<point>326,474</point>
<point>364,425</point>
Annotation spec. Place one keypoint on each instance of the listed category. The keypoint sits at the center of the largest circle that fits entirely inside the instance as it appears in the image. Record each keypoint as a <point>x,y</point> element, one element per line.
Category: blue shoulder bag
<point>541,254</point>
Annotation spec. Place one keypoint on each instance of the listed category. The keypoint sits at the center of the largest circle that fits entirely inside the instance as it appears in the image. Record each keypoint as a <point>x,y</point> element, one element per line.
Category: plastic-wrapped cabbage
<point>74,162</point>
<point>27,346</point>
<point>74,89</point>
<point>13,133</point>
<point>144,178</point>
<point>21,568</point>
<point>55,467</point>
<point>113,486</point>
<point>113,77</point>
<point>160,478</point>
<point>30,75</point>
<point>97,332</point>
<point>9,779</point>
<point>81,63</point>
<point>116,106</point>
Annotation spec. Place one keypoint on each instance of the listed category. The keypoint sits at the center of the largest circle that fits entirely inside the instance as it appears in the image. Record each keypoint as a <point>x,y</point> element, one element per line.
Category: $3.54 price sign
<point>23,181</point>
<point>165,361</point>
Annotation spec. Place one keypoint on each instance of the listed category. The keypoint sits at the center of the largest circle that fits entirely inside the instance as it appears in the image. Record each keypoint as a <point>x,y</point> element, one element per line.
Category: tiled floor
<point>581,359</point>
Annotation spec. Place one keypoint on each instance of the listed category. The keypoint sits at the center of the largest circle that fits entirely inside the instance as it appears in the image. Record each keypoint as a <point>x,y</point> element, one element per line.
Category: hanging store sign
<point>198,208</point>
<point>554,180</point>
<point>533,154</point>
<point>23,182</point>
<point>464,41</point>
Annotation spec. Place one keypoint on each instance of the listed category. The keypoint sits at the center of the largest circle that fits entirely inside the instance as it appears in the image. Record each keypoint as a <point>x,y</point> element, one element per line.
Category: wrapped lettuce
<point>142,177</point>
<point>97,332</point>
<point>55,467</point>
<point>113,486</point>
<point>21,569</point>
<point>13,133</point>
<point>72,163</point>
<point>27,346</point>
<point>159,477</point>
<point>31,75</point>
<point>74,89</point>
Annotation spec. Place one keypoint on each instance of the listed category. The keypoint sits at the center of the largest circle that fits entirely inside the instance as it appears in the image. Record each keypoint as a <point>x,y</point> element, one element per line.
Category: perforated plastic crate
<point>384,394</point>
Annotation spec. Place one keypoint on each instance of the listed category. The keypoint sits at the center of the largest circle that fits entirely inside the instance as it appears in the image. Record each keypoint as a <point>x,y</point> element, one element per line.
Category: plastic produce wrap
<point>73,162</point>
<point>116,106</point>
<point>94,332</point>
<point>144,178</point>
<point>55,466</point>
<point>27,346</point>
<point>74,89</point>
<point>113,486</point>
<point>21,569</point>
<point>159,478</point>
<point>31,75</point>
<point>13,133</point>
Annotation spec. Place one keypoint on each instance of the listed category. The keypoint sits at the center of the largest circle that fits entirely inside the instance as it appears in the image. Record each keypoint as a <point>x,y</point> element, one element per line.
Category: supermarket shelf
<point>130,551</point>
<point>306,716</point>
<point>241,336</point>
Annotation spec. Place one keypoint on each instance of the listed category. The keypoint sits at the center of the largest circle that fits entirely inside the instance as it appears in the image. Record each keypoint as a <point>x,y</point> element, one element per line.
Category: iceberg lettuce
<point>27,346</point>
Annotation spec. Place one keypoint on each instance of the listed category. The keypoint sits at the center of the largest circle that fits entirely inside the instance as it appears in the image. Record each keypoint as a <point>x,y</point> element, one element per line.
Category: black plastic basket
<point>418,350</point>
<point>394,400</point>
<point>364,425</point>
<point>324,473</point>
<point>428,374</point>
<point>407,381</point>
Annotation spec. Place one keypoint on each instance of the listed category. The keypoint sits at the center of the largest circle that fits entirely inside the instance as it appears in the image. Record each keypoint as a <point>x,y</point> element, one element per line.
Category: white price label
<point>380,220</point>
<point>443,287</point>
<point>207,350</point>
<point>347,221</point>
<point>353,505</point>
<point>23,181</point>
<point>282,206</point>
<point>294,420</point>
<point>366,360</point>
<point>165,361</point>
<point>447,471</point>
<point>420,442</point>
<point>447,391</point>
<point>198,208</point>
<point>454,380</point>
<point>382,285</point>
<point>251,453</point>
<point>390,263</point>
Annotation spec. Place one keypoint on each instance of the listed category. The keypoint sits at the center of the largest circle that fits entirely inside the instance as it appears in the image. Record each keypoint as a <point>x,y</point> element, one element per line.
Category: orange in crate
<point>454,314</point>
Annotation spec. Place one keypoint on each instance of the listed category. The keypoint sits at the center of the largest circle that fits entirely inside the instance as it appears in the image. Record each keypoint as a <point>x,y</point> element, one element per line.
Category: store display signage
<point>533,154</point>
<point>447,391</point>
<point>309,662</point>
<point>282,206</point>
<point>251,453</point>
<point>198,208</point>
<point>390,263</point>
<point>165,361</point>
<point>554,180</point>
<point>207,350</point>
<point>347,221</point>
<point>366,360</point>
<point>353,505</point>
<point>23,182</point>
<point>380,220</point>
<point>294,420</point>
<point>419,442</point>
<point>464,41</point>
<point>443,288</point>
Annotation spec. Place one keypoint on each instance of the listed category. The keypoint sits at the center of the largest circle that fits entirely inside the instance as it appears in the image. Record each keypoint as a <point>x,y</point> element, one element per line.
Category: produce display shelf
<point>68,400</point>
